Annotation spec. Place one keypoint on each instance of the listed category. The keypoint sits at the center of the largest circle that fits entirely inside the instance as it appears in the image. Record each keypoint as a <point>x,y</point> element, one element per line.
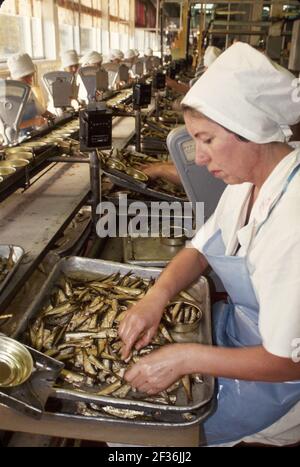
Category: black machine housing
<point>141,96</point>
<point>159,80</point>
<point>95,127</point>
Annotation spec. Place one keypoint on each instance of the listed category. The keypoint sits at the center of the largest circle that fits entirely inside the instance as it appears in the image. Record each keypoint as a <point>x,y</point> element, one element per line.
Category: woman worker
<point>22,69</point>
<point>91,58</point>
<point>252,241</point>
<point>70,61</point>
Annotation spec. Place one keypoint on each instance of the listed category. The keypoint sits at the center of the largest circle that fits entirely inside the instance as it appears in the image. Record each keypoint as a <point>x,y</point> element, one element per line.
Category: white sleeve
<point>204,233</point>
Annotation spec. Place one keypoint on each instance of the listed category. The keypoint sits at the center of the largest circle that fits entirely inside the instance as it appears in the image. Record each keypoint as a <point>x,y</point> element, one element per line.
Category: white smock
<point>274,264</point>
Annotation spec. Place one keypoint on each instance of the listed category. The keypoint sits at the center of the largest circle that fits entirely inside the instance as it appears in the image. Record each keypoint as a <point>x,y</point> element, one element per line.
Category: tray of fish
<point>75,320</point>
<point>164,191</point>
<point>118,168</point>
<point>10,258</point>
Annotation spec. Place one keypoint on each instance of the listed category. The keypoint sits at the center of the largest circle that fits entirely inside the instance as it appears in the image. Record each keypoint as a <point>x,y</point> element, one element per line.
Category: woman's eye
<point>208,141</point>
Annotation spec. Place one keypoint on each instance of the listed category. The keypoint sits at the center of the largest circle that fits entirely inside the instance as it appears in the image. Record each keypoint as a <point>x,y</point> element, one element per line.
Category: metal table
<point>117,432</point>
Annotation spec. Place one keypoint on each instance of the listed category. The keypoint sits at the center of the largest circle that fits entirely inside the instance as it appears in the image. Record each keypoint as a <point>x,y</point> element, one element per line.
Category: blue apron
<point>244,407</point>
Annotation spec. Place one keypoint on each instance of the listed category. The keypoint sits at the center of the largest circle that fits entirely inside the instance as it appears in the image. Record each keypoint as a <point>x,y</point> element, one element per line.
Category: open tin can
<point>16,362</point>
<point>183,316</point>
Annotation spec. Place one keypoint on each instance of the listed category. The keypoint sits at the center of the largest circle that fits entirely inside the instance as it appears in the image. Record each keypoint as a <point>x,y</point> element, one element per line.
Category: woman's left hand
<point>158,370</point>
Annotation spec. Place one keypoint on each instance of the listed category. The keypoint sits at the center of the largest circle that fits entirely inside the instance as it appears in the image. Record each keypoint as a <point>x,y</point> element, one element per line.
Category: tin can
<point>16,364</point>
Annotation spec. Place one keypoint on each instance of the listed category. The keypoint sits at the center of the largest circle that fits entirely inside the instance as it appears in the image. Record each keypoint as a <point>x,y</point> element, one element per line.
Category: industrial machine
<point>93,80</point>
<point>138,67</point>
<point>14,96</point>
<point>199,184</point>
<point>116,73</point>
<point>61,88</point>
<point>141,98</point>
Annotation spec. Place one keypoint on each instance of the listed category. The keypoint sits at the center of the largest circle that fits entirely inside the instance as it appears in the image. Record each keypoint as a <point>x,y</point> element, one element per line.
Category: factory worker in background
<point>129,60</point>
<point>22,69</point>
<point>168,55</point>
<point>130,57</point>
<point>91,58</point>
<point>70,61</point>
<point>116,56</point>
<point>252,241</point>
<point>210,55</point>
<point>148,52</point>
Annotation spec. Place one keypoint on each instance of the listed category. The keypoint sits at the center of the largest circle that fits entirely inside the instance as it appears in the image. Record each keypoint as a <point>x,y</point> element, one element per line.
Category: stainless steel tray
<point>18,254</point>
<point>118,179</point>
<point>68,411</point>
<point>148,252</point>
<point>75,267</point>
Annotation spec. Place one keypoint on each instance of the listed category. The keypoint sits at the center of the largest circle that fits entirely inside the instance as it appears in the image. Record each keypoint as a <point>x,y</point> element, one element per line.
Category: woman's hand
<point>158,370</point>
<point>165,170</point>
<point>140,323</point>
<point>154,170</point>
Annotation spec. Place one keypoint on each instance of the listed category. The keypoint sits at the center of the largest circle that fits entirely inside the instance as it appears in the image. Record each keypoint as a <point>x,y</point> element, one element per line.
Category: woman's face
<point>72,69</point>
<point>28,79</point>
<point>224,155</point>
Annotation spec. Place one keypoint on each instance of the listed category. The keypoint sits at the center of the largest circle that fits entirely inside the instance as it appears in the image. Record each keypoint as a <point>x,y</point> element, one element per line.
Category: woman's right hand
<point>140,324</point>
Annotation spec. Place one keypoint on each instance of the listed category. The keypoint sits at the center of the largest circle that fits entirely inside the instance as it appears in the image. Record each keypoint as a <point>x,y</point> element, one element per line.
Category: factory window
<point>105,42</point>
<point>86,39</point>
<point>66,37</point>
<point>21,28</point>
<point>114,35</point>
<point>124,12</point>
<point>79,24</point>
<point>114,8</point>
<point>124,36</point>
<point>139,36</point>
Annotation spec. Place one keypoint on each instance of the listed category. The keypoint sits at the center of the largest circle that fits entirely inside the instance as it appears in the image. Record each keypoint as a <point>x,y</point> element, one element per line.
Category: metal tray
<point>148,252</point>
<point>68,411</point>
<point>75,267</point>
<point>18,254</point>
<point>118,179</point>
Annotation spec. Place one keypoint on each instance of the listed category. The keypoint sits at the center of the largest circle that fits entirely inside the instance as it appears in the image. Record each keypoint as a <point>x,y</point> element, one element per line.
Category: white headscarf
<point>247,93</point>
<point>116,54</point>
<point>148,52</point>
<point>20,65</point>
<point>210,55</point>
<point>91,58</point>
<point>69,58</point>
<point>130,54</point>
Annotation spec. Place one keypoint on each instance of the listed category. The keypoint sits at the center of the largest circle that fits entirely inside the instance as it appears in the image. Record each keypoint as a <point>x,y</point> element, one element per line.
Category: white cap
<point>116,54</point>
<point>247,93</point>
<point>69,58</point>
<point>148,52</point>
<point>20,65</point>
<point>130,54</point>
<point>137,53</point>
<point>91,58</point>
<point>210,55</point>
